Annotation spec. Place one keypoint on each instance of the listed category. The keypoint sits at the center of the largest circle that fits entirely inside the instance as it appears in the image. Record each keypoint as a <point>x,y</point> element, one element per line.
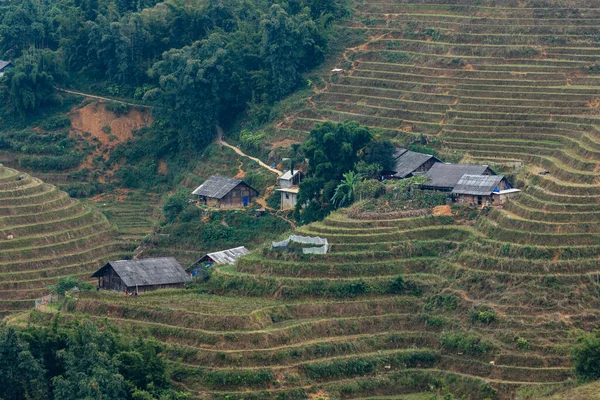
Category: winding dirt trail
<point>241,153</point>
<point>91,96</point>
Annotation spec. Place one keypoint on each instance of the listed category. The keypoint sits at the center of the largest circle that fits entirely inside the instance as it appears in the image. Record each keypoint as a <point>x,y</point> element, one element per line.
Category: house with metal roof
<point>223,192</point>
<point>289,189</point>
<point>5,66</point>
<point>483,189</point>
<point>445,177</point>
<point>408,163</point>
<point>230,256</point>
<point>141,275</point>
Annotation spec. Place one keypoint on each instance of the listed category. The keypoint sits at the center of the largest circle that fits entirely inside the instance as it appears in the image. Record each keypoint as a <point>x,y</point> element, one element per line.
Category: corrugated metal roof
<point>4,64</point>
<point>151,271</point>
<point>408,162</point>
<point>228,256</point>
<point>478,185</point>
<point>444,176</point>
<point>399,151</point>
<point>216,187</point>
<point>287,175</point>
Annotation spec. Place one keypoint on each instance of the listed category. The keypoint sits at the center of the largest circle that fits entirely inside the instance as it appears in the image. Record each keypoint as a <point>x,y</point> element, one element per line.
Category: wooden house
<point>229,256</point>
<point>5,66</point>
<point>222,192</point>
<point>408,163</point>
<point>444,177</point>
<point>483,190</point>
<point>288,188</point>
<point>141,275</point>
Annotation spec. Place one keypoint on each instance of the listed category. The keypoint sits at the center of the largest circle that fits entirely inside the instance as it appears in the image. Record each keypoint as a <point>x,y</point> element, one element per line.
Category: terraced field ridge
<point>405,305</point>
<point>44,234</point>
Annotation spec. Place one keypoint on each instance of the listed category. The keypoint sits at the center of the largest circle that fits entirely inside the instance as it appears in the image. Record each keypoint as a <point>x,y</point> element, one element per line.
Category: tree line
<point>75,360</point>
<point>199,63</point>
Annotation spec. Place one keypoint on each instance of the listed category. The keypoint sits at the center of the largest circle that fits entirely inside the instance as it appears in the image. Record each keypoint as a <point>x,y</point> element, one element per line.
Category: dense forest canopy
<point>199,63</point>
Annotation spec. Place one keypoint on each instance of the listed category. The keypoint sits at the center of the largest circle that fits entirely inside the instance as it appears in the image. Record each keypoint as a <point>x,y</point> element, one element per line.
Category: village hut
<point>483,189</point>
<point>408,163</point>
<point>223,192</point>
<point>135,276</point>
<point>289,189</point>
<point>444,177</point>
<point>229,256</point>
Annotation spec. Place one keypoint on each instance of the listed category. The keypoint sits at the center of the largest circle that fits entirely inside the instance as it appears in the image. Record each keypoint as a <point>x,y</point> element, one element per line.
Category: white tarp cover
<point>322,245</point>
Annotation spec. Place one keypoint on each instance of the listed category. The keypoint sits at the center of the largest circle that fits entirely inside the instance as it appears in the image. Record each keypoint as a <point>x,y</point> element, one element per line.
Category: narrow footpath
<point>91,96</point>
<point>241,153</point>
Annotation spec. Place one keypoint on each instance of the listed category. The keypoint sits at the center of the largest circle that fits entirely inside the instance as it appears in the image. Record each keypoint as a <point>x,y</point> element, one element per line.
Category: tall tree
<point>90,373</point>
<point>21,375</point>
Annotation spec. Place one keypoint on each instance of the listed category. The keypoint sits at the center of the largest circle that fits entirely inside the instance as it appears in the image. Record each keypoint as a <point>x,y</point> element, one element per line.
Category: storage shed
<point>223,192</point>
<point>289,189</point>
<point>445,177</point>
<point>198,269</point>
<point>483,189</point>
<point>141,275</point>
<point>409,162</point>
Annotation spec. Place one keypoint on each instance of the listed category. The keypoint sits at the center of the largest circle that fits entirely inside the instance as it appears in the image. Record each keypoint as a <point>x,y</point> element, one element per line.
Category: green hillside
<point>45,235</point>
<point>477,305</point>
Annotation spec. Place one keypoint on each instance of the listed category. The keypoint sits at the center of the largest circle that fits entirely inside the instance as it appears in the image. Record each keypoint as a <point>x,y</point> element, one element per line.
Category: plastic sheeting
<point>320,245</point>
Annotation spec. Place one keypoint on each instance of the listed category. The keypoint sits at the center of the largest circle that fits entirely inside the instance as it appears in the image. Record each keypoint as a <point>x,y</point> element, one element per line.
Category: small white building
<point>288,187</point>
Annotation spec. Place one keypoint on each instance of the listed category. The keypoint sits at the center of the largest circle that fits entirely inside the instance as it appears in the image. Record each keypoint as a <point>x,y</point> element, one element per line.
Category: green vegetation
<point>79,361</point>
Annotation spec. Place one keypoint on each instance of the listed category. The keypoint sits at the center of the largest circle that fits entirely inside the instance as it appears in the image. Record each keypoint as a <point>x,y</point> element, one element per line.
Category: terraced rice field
<point>500,81</point>
<point>294,327</point>
<point>53,236</point>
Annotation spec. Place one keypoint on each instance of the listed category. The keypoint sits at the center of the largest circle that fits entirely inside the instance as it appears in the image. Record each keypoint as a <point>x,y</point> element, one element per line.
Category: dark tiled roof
<point>477,185</point>
<point>152,271</point>
<point>446,176</point>
<point>408,161</point>
<point>216,187</point>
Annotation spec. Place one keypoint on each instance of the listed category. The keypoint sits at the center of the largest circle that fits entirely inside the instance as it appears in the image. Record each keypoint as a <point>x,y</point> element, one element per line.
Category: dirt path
<point>241,153</point>
<point>91,96</point>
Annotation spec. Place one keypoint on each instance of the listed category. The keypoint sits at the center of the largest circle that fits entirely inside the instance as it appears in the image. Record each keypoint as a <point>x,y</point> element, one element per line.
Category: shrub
<point>369,189</point>
<point>484,315</point>
<point>586,356</point>
<point>56,122</point>
<point>67,283</point>
<point>117,108</point>
<point>522,344</point>
<point>466,343</point>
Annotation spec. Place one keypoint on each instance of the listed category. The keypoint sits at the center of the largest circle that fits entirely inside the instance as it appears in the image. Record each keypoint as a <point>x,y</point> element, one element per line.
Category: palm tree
<point>344,192</point>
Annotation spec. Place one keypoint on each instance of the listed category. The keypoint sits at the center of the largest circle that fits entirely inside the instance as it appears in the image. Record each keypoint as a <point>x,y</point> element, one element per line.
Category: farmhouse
<point>288,183</point>
<point>409,162</point>
<point>222,192</point>
<point>444,177</point>
<point>141,275</point>
<point>5,66</point>
<point>219,257</point>
<point>483,189</point>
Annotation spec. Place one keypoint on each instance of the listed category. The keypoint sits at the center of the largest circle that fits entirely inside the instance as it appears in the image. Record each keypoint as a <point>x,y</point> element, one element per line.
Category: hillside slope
<point>52,236</point>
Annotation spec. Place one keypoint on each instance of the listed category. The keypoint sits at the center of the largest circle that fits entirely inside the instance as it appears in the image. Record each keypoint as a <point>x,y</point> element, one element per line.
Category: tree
<point>344,192</point>
<point>32,80</point>
<point>90,373</point>
<point>380,152</point>
<point>67,283</point>
<point>586,355</point>
<point>21,375</point>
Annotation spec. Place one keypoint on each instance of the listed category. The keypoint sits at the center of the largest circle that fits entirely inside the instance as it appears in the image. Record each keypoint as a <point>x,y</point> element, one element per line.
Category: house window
<point>287,196</point>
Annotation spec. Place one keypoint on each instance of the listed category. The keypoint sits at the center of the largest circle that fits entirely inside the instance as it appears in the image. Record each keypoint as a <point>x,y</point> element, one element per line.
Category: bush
<point>586,356</point>
<point>67,283</point>
<point>483,315</point>
<point>175,205</point>
<point>467,344</point>
<point>369,189</point>
<point>117,108</point>
<point>56,122</point>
